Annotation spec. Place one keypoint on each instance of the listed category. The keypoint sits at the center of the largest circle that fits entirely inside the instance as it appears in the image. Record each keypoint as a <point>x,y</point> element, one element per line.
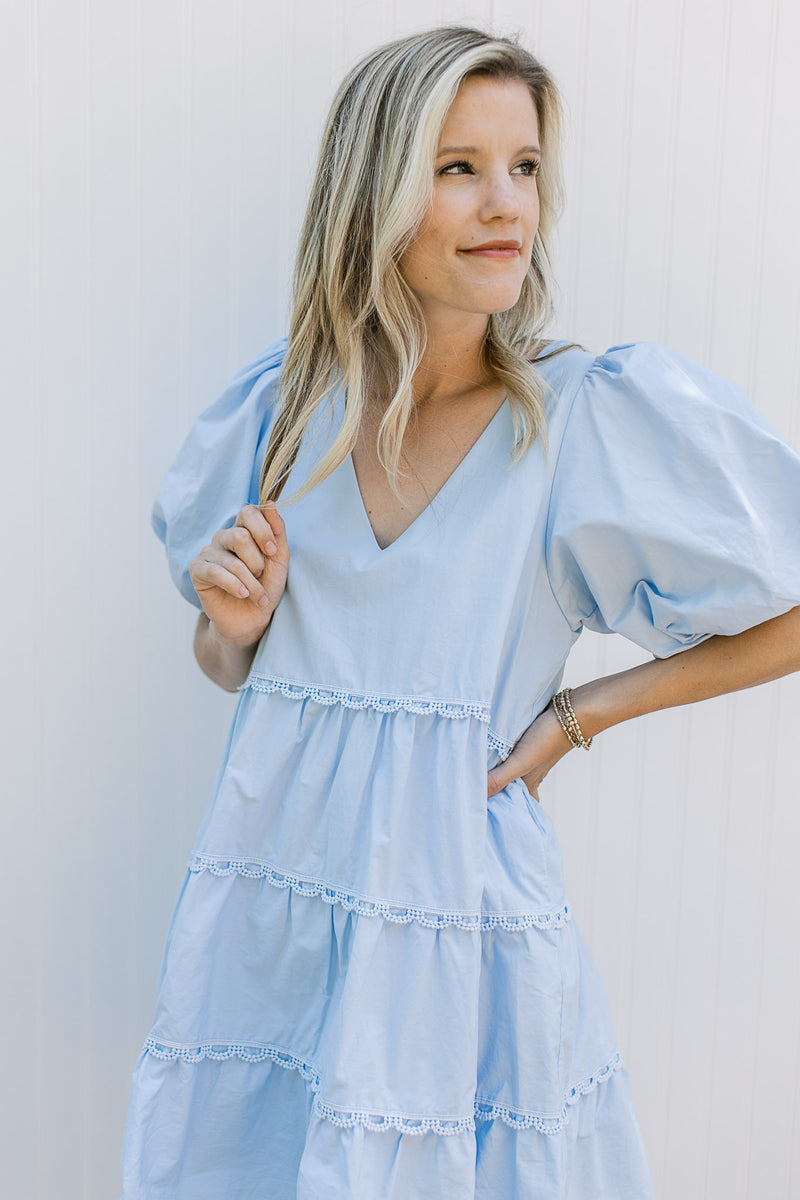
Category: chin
<point>498,302</point>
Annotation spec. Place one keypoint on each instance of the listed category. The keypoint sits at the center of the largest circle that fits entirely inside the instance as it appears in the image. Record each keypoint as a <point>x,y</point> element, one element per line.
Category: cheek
<point>415,264</point>
<point>450,213</point>
<point>533,211</point>
<point>427,256</point>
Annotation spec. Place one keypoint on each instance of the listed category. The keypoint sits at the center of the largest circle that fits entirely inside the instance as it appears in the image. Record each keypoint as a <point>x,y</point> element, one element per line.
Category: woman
<point>372,986</point>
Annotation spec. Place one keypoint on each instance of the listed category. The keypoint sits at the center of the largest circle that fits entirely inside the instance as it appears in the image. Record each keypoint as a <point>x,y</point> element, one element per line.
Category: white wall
<point>157,153</point>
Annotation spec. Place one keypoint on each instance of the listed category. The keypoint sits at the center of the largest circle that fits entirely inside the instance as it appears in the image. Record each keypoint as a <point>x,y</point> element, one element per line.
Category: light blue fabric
<point>675,514</point>
<point>373,987</point>
<point>218,467</point>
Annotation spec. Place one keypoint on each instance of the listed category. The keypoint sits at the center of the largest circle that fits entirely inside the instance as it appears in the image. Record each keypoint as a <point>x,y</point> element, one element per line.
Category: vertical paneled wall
<point>157,157</point>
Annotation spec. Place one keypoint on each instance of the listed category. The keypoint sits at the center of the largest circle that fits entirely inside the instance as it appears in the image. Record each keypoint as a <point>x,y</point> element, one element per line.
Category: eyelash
<point>532,163</point>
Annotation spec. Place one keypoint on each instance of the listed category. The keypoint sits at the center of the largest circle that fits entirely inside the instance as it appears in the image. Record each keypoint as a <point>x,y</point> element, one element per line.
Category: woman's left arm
<point>711,668</point>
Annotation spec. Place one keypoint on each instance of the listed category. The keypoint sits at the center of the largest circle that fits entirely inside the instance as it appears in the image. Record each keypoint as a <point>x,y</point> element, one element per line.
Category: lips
<point>497,249</point>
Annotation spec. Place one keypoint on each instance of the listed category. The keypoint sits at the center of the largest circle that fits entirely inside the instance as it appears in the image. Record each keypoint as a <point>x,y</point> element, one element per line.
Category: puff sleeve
<point>217,469</point>
<point>675,506</point>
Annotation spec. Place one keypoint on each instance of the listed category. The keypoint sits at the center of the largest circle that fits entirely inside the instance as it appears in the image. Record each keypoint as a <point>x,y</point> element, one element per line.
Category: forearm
<point>224,661</point>
<point>712,668</point>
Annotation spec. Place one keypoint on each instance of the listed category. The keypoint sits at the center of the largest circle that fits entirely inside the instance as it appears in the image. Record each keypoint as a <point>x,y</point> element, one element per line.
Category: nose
<point>500,198</point>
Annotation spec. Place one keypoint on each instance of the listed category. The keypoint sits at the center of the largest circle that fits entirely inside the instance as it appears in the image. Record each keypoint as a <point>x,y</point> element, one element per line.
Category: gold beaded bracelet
<point>569,722</point>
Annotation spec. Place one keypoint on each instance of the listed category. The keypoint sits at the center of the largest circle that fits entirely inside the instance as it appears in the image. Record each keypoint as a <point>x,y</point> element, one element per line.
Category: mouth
<point>498,249</point>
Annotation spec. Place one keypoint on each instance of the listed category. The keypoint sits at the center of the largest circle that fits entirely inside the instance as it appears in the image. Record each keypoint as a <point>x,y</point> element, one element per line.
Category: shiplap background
<point>156,156</point>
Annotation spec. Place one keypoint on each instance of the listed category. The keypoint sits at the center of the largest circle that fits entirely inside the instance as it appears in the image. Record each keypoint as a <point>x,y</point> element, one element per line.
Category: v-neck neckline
<point>458,469</point>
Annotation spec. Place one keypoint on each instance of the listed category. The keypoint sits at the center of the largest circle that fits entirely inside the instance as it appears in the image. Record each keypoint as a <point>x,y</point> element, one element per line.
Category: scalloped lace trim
<point>486,1111</point>
<point>397,914</point>
<point>379,1122</point>
<point>455,709</point>
<point>499,745</point>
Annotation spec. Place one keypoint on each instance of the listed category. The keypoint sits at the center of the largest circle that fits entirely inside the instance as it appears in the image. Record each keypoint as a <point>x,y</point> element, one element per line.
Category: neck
<point>453,359</point>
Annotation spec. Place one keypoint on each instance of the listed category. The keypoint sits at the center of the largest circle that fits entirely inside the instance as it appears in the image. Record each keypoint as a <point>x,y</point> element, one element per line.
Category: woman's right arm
<point>239,579</point>
<point>225,662</point>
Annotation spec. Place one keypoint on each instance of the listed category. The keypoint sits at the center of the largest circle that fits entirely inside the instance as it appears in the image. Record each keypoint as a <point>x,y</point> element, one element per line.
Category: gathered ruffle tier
<point>270,1138</point>
<point>380,798</point>
<point>381,1122</point>
<point>411,997</point>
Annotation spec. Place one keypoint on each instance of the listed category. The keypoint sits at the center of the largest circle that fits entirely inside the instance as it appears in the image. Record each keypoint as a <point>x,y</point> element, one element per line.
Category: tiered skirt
<point>373,987</point>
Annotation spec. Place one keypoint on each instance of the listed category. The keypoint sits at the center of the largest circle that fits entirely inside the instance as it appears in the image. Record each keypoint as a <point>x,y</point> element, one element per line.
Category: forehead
<point>488,108</point>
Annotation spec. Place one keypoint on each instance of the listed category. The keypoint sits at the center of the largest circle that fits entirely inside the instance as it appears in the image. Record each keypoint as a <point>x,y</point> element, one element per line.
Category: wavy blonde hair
<point>355,321</point>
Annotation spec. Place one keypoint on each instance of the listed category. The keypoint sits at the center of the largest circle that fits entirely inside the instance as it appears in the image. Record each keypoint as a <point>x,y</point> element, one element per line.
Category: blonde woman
<point>396,523</point>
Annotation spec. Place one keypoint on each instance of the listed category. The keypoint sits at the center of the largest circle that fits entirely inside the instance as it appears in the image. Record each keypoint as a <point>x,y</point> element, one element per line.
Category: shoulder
<point>647,383</point>
<point>648,417</point>
<point>637,362</point>
<point>644,383</point>
<point>561,365</point>
<point>264,369</point>
<point>221,449</point>
<point>246,406</point>
<point>643,416</point>
<point>651,363</point>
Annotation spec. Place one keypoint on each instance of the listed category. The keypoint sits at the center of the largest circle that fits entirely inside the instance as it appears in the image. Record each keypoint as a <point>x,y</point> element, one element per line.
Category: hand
<point>538,750</point>
<point>241,576</point>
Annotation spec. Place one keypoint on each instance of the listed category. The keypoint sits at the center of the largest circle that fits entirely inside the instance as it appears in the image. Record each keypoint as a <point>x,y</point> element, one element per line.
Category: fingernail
<point>270,548</point>
<point>264,601</point>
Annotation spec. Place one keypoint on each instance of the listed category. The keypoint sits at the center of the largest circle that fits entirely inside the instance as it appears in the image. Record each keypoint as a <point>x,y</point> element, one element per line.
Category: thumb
<point>505,772</point>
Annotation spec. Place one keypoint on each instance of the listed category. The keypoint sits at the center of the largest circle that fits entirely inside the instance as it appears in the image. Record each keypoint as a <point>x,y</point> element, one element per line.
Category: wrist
<point>572,728</point>
<point>559,732</point>
<point>243,642</point>
<point>600,703</point>
<point>587,704</point>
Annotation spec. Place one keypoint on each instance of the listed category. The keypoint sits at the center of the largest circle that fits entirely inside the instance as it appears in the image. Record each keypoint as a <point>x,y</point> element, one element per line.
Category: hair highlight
<point>355,323</point>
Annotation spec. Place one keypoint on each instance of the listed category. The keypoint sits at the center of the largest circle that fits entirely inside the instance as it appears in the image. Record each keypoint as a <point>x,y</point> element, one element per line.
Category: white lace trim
<point>484,1110</point>
<point>364,906</point>
<point>454,709</point>
<point>329,696</point>
<point>499,745</point>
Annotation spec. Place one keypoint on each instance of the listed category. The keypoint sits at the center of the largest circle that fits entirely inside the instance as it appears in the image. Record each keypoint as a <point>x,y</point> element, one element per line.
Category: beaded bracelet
<point>569,722</point>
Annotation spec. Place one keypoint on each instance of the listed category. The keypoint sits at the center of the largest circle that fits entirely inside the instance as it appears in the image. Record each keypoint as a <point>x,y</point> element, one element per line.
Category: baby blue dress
<point>373,987</point>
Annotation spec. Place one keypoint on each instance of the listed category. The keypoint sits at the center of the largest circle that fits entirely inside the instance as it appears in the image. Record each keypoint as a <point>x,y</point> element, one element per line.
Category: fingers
<point>255,520</point>
<point>501,776</point>
<point>236,559</point>
<point>270,516</point>
<point>519,765</point>
<point>256,535</point>
<point>536,752</point>
<point>510,768</point>
<point>240,542</point>
<point>267,529</point>
<point>218,567</point>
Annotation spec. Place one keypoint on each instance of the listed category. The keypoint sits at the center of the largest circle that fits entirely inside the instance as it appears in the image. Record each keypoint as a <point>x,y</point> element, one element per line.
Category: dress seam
<point>404,1123</point>
<point>329,694</point>
<point>395,912</point>
<point>296,689</point>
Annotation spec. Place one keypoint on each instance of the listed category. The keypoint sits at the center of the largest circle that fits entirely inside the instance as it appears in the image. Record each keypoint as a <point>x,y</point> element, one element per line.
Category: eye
<point>462,167</point>
<point>529,167</point>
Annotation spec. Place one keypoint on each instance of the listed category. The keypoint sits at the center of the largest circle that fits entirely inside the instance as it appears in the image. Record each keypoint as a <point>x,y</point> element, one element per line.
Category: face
<point>474,248</point>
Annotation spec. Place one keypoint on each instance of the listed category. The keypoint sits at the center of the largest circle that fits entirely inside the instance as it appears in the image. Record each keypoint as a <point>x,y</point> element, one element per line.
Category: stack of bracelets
<point>569,722</point>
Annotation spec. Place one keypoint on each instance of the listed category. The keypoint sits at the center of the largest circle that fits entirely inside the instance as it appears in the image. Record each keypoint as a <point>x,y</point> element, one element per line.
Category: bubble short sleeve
<point>217,469</point>
<point>675,509</point>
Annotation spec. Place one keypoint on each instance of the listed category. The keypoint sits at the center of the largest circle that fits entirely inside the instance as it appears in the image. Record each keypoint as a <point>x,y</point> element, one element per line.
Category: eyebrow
<point>475,150</point>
